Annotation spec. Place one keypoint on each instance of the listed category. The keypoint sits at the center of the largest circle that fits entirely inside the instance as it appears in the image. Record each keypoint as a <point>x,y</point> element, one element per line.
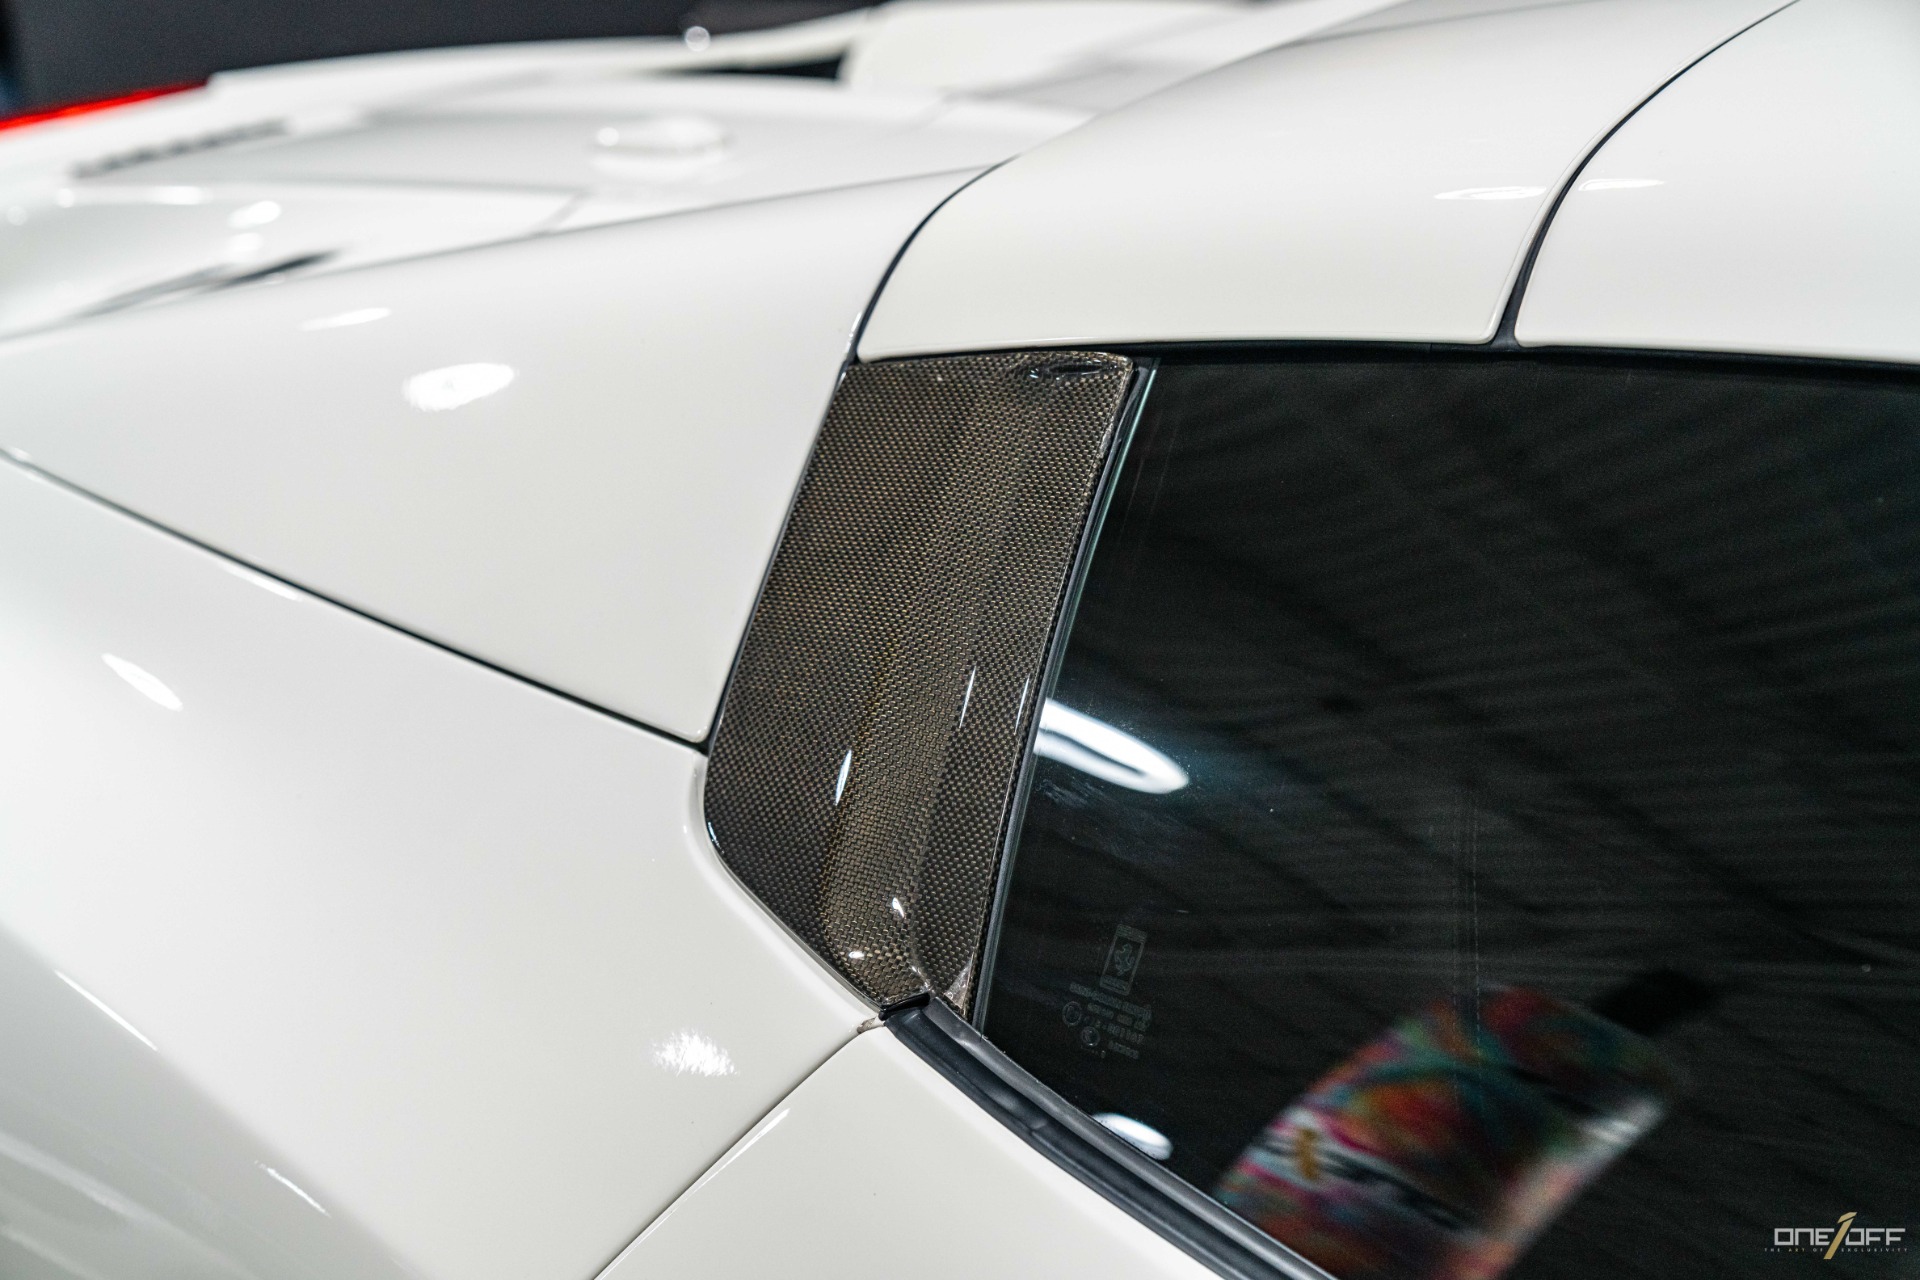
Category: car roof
<point>1382,183</point>
<point>1766,202</point>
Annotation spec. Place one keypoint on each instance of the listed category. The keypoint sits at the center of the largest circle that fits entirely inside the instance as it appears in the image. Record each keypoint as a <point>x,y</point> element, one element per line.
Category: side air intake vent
<point>870,741</point>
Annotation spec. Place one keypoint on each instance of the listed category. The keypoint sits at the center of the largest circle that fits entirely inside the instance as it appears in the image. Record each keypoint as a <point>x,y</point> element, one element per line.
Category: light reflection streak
<point>102,1006</point>
<point>1095,747</point>
<point>1142,1137</point>
<point>344,319</point>
<point>290,1185</point>
<point>143,681</point>
<point>438,390</point>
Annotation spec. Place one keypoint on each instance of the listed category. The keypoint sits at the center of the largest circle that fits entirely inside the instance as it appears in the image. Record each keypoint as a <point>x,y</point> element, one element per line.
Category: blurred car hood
<point>242,188</point>
<point>325,166</point>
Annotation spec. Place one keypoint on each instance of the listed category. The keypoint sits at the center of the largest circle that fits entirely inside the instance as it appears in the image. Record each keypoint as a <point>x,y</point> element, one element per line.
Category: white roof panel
<point>1381,185</point>
<point>1769,201</point>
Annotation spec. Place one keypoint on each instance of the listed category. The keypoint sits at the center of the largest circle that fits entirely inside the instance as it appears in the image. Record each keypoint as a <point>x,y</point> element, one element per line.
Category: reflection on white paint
<point>257,214</point>
<point>745,1145</point>
<point>143,681</point>
<point>289,1184</point>
<point>666,136</point>
<point>1620,184</point>
<point>112,195</point>
<point>13,1151</point>
<point>1143,1138</point>
<point>101,1005</point>
<point>1113,755</point>
<point>345,319</point>
<point>437,390</point>
<point>1492,193</point>
<point>688,1053</point>
<point>262,581</point>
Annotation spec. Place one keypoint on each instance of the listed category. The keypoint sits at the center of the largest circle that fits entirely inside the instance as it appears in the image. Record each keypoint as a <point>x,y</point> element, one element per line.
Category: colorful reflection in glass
<point>1442,1148</point>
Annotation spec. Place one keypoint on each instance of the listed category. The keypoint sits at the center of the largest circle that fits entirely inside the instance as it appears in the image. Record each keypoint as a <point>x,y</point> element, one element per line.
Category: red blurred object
<point>66,110</point>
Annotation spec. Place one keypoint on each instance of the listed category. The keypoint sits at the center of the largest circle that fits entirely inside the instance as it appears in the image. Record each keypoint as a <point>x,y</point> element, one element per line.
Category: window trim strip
<point>1172,1208</point>
<point>1054,657</point>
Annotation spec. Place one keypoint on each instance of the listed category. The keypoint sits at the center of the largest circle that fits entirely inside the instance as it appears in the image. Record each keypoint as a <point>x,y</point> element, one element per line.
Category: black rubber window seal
<point>1175,1210</point>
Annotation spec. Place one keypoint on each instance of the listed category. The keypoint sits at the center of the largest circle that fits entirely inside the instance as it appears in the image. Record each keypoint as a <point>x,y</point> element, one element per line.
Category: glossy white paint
<point>1769,201</point>
<point>1411,12</point>
<point>760,136</point>
<point>877,1167</point>
<point>76,249</point>
<point>346,957</point>
<point>1116,74</point>
<point>112,1167</point>
<point>1382,185</point>
<point>901,135</point>
<point>988,44</point>
<point>398,155</point>
<point>335,87</point>
<point>337,92</point>
<point>371,178</point>
<point>598,521</point>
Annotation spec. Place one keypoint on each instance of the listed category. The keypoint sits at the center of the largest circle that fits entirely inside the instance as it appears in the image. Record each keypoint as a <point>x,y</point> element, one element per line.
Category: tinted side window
<point>1478,816</point>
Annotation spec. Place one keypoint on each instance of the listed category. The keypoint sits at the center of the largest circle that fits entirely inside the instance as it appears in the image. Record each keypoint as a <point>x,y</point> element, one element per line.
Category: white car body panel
<point>877,1168</point>
<point>759,137</point>
<point>1732,216</point>
<point>339,92</point>
<point>82,249</point>
<point>117,228</point>
<point>963,44</point>
<point>1113,75</point>
<point>598,522</point>
<point>327,953</point>
<point>1404,174</point>
<point>451,956</point>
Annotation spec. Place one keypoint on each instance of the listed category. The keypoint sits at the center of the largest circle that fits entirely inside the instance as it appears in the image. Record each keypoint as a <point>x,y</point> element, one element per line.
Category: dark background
<point>55,51</point>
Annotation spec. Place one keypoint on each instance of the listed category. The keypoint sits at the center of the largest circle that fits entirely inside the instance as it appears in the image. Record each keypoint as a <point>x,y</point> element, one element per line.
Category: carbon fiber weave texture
<point>870,739</point>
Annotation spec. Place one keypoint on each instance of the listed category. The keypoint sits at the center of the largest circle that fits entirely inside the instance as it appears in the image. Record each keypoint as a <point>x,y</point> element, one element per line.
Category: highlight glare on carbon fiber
<point>870,740</point>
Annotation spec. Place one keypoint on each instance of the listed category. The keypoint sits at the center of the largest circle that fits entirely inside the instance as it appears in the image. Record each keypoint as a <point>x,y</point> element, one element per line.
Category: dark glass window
<point>1477,825</point>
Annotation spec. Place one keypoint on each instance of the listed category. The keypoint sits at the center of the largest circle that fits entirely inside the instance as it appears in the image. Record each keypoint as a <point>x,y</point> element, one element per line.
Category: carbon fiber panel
<point>870,740</point>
